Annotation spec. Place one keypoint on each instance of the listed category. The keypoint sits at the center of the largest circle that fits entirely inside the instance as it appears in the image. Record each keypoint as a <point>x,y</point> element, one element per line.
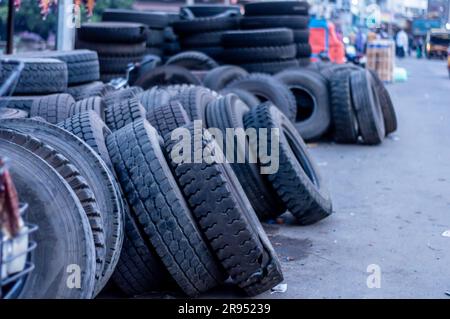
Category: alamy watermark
<point>374,279</point>
<point>241,146</point>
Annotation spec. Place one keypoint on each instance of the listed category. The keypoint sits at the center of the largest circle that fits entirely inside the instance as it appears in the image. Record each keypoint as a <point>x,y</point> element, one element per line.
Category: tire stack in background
<point>200,28</point>
<point>263,50</point>
<point>117,44</point>
<point>156,22</point>
<point>282,14</point>
<point>171,44</point>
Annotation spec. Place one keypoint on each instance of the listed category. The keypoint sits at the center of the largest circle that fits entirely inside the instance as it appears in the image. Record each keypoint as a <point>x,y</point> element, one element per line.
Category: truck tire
<point>268,88</point>
<point>297,181</point>
<point>277,8</point>
<point>248,98</point>
<point>219,77</point>
<point>53,108</point>
<point>257,54</point>
<point>123,113</point>
<point>275,21</point>
<point>159,207</point>
<point>165,75</point>
<point>271,67</point>
<point>168,117</point>
<point>227,219</point>
<point>228,112</point>
<point>112,32</point>
<point>93,103</point>
<point>367,107</point>
<point>55,209</point>
<point>311,92</point>
<point>389,116</point>
<point>258,38</point>
<point>192,60</point>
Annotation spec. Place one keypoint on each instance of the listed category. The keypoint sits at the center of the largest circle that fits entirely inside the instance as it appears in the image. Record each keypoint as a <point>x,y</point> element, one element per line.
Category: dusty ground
<point>391,203</point>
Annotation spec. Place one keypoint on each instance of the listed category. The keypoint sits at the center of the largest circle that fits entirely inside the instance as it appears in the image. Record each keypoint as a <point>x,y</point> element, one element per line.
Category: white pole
<point>65,35</point>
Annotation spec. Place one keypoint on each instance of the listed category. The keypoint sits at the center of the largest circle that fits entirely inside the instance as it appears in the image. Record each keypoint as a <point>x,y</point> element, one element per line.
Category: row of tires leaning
<point>112,202</point>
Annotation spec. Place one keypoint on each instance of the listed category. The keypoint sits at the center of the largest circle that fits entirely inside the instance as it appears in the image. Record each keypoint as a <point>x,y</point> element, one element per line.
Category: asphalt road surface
<point>391,206</point>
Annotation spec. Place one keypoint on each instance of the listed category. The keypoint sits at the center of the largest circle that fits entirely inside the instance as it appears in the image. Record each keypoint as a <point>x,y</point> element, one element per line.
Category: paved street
<point>391,203</point>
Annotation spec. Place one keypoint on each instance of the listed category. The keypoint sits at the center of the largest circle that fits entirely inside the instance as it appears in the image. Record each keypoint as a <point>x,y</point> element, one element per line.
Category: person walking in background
<point>402,43</point>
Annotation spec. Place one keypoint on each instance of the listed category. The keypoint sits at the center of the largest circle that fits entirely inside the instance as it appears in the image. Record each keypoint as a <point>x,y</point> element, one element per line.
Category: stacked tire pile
<point>117,43</point>
<point>116,202</point>
<point>200,28</point>
<point>281,14</point>
<point>156,23</point>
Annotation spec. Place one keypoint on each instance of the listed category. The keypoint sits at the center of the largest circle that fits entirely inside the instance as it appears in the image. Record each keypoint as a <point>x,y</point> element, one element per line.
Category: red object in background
<point>324,40</point>
<point>9,202</point>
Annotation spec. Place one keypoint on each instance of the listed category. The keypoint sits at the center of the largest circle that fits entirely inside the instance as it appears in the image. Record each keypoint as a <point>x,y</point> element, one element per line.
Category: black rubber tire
<point>90,165</point>
<point>111,49</point>
<point>139,269</point>
<point>301,35</point>
<point>154,97</point>
<point>270,67</point>
<point>219,77</point>
<point>389,116</point>
<point>116,96</point>
<point>257,38</point>
<point>274,21</point>
<point>192,60</point>
<point>248,98</point>
<point>304,50</point>
<point>124,112</point>
<point>306,63</point>
<point>82,65</point>
<point>256,54</point>
<point>56,210</point>
<point>18,102</point>
<point>165,75</point>
<point>207,39</point>
<point>152,19</point>
<point>215,53</point>
<point>194,99</point>
<point>93,103</point>
<point>39,76</point>
<point>89,127</point>
<point>208,10</point>
<point>53,108</point>
<point>97,88</point>
<point>268,88</point>
<point>226,218</point>
<point>155,38</point>
<point>166,118</point>
<point>297,180</point>
<point>311,92</point>
<point>207,24</point>
<point>158,51</point>
<point>9,113</point>
<point>277,8</point>
<point>228,112</point>
<point>114,32</point>
<point>76,181</point>
<point>109,65</point>
<point>329,69</point>
<point>367,107</point>
<point>345,124</point>
<point>160,209</point>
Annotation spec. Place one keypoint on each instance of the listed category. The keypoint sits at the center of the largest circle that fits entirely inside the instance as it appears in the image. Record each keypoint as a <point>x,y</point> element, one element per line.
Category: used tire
<point>248,98</point>
<point>194,99</point>
<point>256,38</point>
<point>206,24</point>
<point>192,60</point>
<point>389,116</point>
<point>53,108</point>
<point>165,75</point>
<point>256,54</point>
<point>277,8</point>
<point>297,180</point>
<point>275,21</point>
<point>166,118</point>
<point>227,219</point>
<point>93,103</point>
<point>84,91</point>
<point>89,164</point>
<point>345,124</point>
<point>159,207</point>
<point>154,97</point>
<point>124,112</point>
<point>157,20</point>
<point>268,88</point>
<point>270,67</point>
<point>367,107</point>
<point>221,76</point>
<point>228,112</point>
<point>115,32</point>
<point>39,76</point>
<point>207,39</point>
<point>82,65</point>
<point>131,50</point>
<point>206,10</point>
<point>56,210</point>
<point>8,113</point>
<point>311,93</point>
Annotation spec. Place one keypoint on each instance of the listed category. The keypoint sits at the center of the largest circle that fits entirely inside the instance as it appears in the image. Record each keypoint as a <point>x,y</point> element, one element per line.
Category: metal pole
<point>10,28</point>
<point>67,22</point>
